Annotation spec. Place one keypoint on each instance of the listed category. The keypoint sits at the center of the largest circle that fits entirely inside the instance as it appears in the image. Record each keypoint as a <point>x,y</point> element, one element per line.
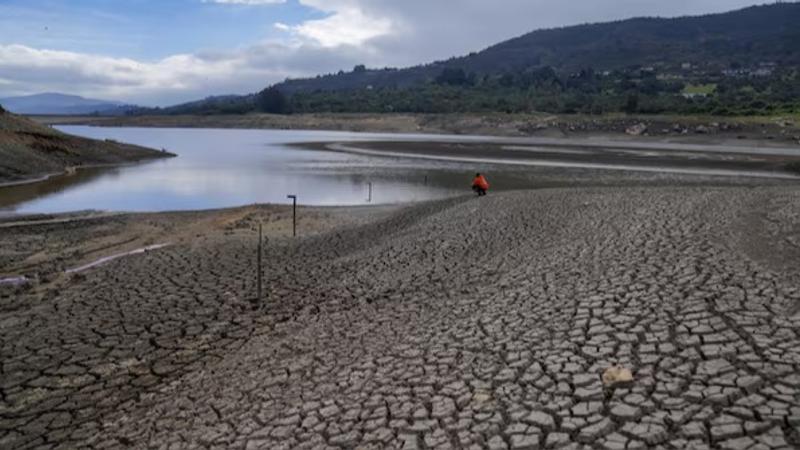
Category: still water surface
<point>220,168</point>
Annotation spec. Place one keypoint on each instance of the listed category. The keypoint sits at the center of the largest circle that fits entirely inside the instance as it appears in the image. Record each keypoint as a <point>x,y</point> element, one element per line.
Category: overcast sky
<point>160,52</point>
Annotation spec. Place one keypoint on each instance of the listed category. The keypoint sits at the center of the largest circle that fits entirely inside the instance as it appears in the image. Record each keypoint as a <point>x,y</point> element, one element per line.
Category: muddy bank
<point>31,152</point>
<point>659,158</point>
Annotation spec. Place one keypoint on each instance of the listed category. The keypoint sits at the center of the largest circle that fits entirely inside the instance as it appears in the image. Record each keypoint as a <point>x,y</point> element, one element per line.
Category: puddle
<point>14,281</point>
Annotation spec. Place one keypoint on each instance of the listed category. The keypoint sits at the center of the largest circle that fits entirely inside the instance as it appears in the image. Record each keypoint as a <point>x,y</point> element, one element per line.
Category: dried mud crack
<point>465,323</point>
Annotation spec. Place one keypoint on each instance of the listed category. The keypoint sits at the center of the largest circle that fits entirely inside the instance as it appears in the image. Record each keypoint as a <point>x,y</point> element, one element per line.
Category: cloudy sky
<point>160,52</point>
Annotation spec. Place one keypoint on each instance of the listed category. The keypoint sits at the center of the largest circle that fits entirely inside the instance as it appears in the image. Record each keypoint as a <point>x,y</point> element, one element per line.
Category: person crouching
<point>480,185</point>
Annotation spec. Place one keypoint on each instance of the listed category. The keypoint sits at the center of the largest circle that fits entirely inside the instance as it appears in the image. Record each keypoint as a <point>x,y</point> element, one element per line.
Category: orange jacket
<point>481,182</point>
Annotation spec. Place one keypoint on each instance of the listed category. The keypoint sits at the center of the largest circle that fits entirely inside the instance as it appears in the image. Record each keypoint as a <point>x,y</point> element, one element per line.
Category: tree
<point>2,111</point>
<point>273,101</point>
<point>360,68</point>
<point>506,80</point>
<point>453,77</point>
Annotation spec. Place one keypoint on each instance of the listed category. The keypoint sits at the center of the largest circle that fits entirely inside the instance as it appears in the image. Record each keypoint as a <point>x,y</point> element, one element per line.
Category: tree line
<point>543,90</point>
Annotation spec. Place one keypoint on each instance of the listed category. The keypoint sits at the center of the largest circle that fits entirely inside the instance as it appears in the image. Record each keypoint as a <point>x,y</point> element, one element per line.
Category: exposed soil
<point>668,156</point>
<point>463,323</point>
<point>30,151</point>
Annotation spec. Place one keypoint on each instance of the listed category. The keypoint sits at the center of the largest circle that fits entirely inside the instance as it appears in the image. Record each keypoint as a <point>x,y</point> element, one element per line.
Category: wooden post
<point>294,214</point>
<point>369,200</point>
<point>260,270</point>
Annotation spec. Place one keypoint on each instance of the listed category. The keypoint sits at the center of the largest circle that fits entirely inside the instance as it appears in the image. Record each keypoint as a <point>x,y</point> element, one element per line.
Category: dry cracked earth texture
<point>465,323</point>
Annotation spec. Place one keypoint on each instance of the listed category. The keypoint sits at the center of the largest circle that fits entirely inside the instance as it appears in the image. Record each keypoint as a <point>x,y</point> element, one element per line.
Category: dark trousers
<point>479,190</point>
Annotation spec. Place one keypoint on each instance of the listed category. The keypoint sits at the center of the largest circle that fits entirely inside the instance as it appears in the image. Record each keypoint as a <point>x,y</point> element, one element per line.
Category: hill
<point>220,104</point>
<point>743,38</point>
<point>29,150</point>
<point>61,104</point>
<point>742,62</point>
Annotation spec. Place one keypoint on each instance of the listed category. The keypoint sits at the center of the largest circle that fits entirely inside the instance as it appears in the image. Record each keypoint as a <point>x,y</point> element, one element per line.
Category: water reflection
<point>13,195</point>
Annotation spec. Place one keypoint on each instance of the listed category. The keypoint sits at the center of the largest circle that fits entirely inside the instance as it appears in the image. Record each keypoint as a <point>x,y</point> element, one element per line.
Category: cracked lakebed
<point>459,323</point>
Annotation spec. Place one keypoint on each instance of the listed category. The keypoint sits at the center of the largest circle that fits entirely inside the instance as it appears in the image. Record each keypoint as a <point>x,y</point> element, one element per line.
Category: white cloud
<point>347,24</point>
<point>373,32</point>
<point>170,80</point>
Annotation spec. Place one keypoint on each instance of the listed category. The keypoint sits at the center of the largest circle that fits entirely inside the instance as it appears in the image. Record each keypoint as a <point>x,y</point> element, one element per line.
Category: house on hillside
<point>691,95</point>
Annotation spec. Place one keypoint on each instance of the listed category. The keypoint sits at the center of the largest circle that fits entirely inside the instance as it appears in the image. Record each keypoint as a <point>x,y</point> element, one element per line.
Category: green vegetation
<point>273,101</point>
<point>633,91</point>
<point>585,92</point>
<point>700,89</point>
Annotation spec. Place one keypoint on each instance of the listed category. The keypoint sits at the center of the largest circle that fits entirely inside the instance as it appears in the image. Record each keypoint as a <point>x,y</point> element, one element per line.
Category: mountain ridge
<point>741,62</point>
<point>57,103</point>
<point>575,47</point>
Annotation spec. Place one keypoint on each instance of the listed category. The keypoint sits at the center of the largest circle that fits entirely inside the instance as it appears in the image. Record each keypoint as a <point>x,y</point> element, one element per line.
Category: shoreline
<point>72,170</point>
<point>33,153</point>
<point>761,130</point>
<point>542,163</point>
<point>700,160</point>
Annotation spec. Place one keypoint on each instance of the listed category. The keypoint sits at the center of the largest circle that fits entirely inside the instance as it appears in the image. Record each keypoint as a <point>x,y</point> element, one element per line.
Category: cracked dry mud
<point>465,323</point>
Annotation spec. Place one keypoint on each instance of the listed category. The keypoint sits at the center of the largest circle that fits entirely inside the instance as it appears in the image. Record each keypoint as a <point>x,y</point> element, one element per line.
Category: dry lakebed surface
<point>466,322</point>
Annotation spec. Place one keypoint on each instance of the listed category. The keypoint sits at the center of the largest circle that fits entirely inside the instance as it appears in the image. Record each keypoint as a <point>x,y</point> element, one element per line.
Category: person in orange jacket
<point>480,185</point>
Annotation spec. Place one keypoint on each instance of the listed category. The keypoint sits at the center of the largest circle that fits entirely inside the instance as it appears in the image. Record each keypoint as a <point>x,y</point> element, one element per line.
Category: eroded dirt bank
<point>463,323</point>
<point>31,152</point>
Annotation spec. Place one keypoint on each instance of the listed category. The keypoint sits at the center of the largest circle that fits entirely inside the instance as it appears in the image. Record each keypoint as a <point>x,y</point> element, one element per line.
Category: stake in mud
<point>294,214</point>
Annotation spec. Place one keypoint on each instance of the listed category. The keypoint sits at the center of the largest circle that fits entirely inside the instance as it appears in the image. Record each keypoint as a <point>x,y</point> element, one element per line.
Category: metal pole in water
<point>369,200</point>
<point>260,271</point>
<point>294,214</point>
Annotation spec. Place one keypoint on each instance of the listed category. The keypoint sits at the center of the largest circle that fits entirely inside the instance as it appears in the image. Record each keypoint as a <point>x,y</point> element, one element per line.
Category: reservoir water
<point>218,168</point>
<point>221,168</point>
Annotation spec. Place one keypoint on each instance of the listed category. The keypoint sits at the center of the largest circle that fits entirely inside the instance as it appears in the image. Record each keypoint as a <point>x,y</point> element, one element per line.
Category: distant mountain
<point>220,104</point>
<point>61,104</point>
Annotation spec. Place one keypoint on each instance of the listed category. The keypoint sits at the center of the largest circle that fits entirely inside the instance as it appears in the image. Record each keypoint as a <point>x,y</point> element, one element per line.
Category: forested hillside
<point>741,62</point>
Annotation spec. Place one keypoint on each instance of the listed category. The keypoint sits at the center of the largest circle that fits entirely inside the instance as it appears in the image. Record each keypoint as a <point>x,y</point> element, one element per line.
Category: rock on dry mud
<point>636,129</point>
<point>465,323</point>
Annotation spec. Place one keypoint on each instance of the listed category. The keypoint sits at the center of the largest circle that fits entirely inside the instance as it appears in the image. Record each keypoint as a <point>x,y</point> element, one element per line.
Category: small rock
<point>636,130</point>
<point>616,375</point>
